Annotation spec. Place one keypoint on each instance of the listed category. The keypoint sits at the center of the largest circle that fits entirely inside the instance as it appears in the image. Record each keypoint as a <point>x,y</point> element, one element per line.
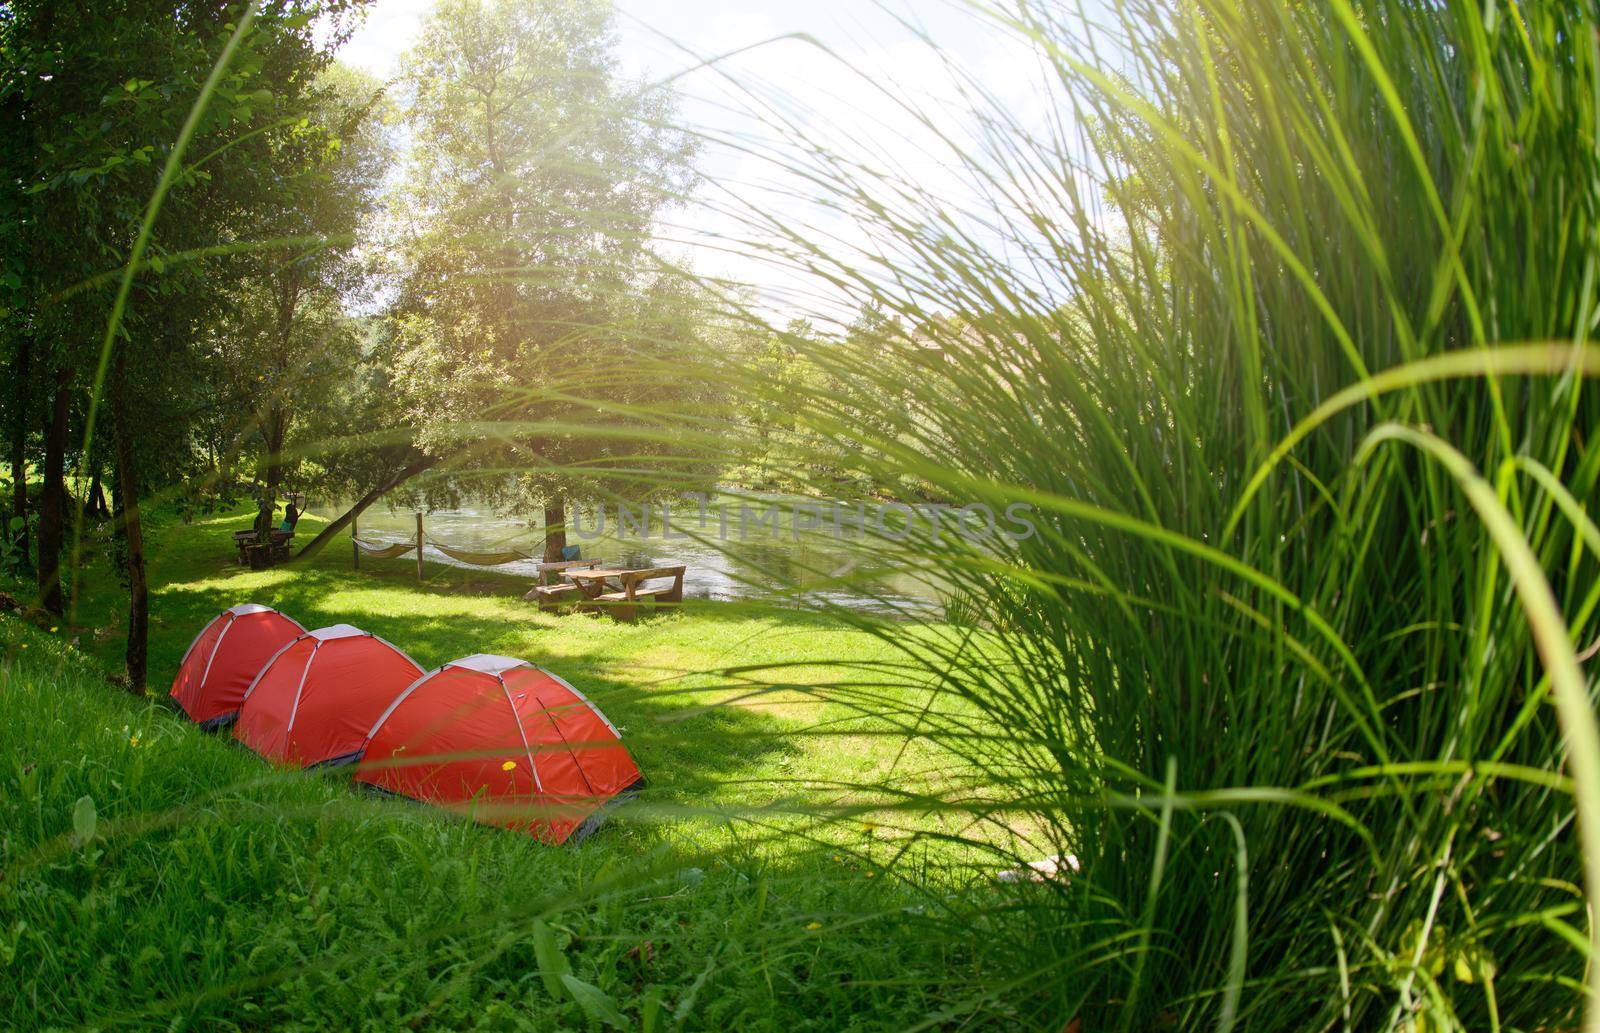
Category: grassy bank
<point>155,874</point>
<point>664,680</point>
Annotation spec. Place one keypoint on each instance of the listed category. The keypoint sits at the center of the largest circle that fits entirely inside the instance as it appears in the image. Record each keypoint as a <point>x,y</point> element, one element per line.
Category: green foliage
<point>145,138</point>
<point>595,1002</point>
<point>776,448</point>
<point>15,535</point>
<point>282,349</point>
<point>86,158</point>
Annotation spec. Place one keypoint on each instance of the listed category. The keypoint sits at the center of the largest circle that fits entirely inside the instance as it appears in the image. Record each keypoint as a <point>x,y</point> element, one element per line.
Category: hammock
<point>381,551</point>
<point>481,559</point>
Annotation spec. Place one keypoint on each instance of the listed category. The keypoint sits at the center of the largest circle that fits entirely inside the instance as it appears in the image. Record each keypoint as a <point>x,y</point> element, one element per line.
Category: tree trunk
<point>137,656</point>
<point>94,503</point>
<point>97,499</point>
<point>19,443</point>
<point>117,524</point>
<point>378,491</point>
<point>276,425</point>
<point>555,528</point>
<point>53,498</point>
<point>276,429</point>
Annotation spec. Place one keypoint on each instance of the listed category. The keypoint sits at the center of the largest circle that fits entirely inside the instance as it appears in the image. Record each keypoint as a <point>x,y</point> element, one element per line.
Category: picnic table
<point>561,566</point>
<point>259,555</point>
<point>258,551</point>
<point>622,602</point>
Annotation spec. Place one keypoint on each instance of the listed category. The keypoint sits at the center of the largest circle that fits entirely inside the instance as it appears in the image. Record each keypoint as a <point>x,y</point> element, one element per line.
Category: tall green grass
<point>1279,319</point>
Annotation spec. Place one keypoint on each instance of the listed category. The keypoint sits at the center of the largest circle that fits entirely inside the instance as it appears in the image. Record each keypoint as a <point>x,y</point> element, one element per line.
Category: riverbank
<point>154,873</point>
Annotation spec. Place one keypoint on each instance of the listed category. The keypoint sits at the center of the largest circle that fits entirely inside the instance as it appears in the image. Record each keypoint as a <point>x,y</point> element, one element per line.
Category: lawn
<point>158,876</point>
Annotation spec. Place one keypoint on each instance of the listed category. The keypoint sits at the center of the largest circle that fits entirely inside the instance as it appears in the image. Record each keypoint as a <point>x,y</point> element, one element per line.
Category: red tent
<point>223,660</point>
<point>504,741</point>
<point>314,702</point>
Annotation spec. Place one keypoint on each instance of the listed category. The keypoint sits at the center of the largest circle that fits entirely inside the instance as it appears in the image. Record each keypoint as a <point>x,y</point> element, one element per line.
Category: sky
<point>653,31</point>
<point>851,114</point>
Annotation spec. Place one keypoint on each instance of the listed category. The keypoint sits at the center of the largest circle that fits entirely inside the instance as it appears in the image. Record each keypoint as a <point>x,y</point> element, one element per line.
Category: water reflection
<point>768,566</point>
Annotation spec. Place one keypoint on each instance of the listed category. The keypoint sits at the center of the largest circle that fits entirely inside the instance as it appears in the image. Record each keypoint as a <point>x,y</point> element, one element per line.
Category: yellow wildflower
<point>814,926</point>
<point>509,765</point>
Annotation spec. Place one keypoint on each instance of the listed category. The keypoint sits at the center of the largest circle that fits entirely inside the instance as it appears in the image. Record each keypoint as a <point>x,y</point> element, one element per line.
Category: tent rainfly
<point>504,742</point>
<point>315,700</point>
<point>224,658</point>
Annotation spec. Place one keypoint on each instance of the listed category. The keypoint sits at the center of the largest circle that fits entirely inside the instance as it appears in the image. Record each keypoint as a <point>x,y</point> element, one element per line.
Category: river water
<point>725,561</point>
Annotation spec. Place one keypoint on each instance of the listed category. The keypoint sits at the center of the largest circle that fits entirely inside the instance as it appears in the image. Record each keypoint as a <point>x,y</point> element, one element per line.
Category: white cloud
<point>390,27</point>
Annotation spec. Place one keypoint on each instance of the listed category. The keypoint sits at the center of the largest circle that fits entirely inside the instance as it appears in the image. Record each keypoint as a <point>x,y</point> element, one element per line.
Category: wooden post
<point>419,546</point>
<point>355,550</point>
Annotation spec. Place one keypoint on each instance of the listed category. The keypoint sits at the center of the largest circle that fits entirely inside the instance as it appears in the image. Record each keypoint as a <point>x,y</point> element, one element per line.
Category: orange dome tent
<point>504,741</point>
<point>316,699</point>
<point>224,658</point>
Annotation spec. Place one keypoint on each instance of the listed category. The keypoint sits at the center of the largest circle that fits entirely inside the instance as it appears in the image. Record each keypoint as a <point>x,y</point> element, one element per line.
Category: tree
<point>534,179</point>
<point>94,97</point>
<point>785,378</point>
<point>287,337</point>
<point>19,417</point>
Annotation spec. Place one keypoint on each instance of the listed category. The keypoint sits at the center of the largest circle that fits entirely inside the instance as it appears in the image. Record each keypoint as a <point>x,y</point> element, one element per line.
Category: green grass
<point>215,891</point>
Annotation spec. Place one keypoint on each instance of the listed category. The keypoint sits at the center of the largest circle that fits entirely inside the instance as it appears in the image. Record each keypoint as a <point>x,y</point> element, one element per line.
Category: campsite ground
<point>154,873</point>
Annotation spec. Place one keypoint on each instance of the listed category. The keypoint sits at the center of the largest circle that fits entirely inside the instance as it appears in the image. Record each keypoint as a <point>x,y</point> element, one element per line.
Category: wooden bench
<point>623,605</point>
<point>553,597</point>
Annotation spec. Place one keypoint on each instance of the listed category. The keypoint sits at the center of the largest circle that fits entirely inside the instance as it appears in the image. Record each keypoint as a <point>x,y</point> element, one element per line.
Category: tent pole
<point>419,546</point>
<point>355,550</point>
